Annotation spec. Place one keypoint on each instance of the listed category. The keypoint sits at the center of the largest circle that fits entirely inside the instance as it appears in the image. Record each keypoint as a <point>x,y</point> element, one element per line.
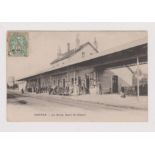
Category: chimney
<point>59,52</point>
<point>95,43</point>
<point>77,41</point>
<point>68,47</point>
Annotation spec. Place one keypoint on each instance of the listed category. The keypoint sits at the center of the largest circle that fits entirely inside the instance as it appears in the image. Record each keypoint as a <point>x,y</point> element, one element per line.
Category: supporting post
<point>138,77</point>
<point>74,83</point>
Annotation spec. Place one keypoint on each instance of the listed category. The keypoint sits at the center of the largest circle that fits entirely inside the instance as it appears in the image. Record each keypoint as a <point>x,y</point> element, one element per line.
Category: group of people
<point>58,90</point>
<point>68,90</point>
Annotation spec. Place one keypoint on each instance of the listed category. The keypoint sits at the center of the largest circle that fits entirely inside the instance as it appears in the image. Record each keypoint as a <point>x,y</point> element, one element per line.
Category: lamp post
<point>138,77</point>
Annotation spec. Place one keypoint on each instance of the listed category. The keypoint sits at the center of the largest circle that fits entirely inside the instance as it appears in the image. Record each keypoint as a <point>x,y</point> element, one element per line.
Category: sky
<point>43,47</point>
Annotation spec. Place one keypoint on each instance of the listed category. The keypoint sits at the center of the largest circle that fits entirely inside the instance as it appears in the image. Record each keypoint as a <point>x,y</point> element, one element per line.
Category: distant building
<point>10,81</point>
<point>143,83</point>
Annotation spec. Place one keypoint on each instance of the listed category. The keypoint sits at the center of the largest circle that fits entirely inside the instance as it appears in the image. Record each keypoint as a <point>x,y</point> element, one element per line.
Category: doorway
<point>114,84</point>
<point>64,84</point>
<point>87,84</point>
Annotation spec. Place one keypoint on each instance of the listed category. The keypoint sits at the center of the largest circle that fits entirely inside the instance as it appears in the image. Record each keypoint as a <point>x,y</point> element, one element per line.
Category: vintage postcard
<point>77,76</point>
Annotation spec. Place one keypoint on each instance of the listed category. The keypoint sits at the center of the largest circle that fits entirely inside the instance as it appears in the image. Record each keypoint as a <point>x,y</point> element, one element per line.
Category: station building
<point>85,70</point>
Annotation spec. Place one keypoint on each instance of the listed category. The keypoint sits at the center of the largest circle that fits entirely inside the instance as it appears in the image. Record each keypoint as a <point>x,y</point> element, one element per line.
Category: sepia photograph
<point>77,76</point>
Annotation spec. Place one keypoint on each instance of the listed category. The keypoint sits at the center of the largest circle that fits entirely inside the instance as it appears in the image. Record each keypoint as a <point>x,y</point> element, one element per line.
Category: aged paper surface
<point>77,76</point>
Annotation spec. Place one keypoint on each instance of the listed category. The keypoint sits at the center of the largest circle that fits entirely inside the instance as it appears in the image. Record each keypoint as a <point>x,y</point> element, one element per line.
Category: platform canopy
<point>121,56</point>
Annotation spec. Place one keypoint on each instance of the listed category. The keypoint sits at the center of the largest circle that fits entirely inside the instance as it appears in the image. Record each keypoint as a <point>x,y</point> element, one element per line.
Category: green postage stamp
<point>17,43</point>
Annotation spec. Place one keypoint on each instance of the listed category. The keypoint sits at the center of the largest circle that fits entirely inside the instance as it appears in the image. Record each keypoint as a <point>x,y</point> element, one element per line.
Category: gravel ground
<point>34,108</point>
